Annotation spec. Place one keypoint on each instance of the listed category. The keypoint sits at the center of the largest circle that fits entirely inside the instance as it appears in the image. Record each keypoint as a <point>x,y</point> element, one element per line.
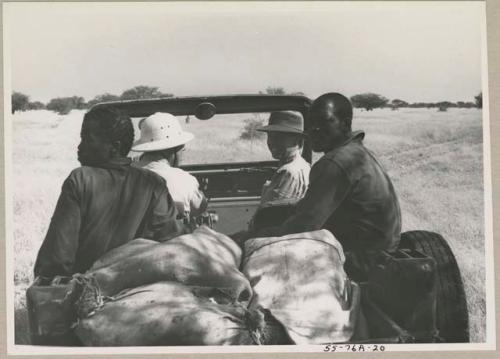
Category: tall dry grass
<point>434,158</point>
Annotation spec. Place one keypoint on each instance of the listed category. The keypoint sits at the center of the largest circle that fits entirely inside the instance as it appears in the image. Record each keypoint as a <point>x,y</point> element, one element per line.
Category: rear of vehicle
<point>231,172</point>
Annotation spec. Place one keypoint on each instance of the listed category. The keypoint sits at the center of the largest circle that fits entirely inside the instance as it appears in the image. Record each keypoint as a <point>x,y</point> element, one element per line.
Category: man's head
<point>283,144</point>
<point>106,134</point>
<point>330,116</point>
<point>284,133</point>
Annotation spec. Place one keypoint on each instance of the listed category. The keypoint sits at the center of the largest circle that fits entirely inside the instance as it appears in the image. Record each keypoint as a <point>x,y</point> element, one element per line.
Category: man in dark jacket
<point>106,202</point>
<point>349,192</point>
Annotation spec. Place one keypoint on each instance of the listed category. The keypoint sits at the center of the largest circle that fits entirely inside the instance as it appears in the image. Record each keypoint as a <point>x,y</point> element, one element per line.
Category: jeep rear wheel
<point>452,318</point>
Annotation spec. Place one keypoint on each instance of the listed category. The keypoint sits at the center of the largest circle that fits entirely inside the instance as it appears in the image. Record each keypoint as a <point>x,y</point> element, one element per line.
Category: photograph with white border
<point>226,177</point>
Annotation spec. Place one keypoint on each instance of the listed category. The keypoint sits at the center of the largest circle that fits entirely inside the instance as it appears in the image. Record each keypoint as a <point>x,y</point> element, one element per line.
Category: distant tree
<point>399,103</point>
<point>275,90</point>
<point>142,92</point>
<point>479,100</point>
<point>63,105</point>
<point>368,101</point>
<point>36,105</point>
<point>20,101</point>
<point>278,90</point>
<point>445,104</point>
<point>250,129</point>
<point>105,97</point>
<point>470,105</point>
<point>462,104</point>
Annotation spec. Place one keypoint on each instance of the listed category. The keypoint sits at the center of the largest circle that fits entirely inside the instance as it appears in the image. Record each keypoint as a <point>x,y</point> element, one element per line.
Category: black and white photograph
<point>226,177</point>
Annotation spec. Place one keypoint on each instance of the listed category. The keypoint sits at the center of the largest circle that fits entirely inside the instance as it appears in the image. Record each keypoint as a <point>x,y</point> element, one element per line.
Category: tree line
<point>367,101</point>
<point>370,101</point>
<point>63,105</point>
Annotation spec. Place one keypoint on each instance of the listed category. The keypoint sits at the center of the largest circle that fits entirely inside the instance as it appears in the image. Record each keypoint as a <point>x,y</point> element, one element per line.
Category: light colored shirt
<point>289,182</point>
<point>182,186</point>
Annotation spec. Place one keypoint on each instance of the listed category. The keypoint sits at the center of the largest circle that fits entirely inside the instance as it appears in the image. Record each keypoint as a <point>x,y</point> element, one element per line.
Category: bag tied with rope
<point>167,313</point>
<point>202,258</point>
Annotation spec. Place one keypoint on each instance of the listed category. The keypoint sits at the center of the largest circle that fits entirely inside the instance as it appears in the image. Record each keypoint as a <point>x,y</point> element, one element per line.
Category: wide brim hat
<point>284,121</point>
<point>160,131</point>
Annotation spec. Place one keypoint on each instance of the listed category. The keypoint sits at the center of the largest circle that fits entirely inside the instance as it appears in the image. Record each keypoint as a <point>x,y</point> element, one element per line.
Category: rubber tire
<point>452,318</point>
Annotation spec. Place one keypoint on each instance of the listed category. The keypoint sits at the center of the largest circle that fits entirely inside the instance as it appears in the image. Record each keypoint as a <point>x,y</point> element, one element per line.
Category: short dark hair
<point>342,107</point>
<point>115,125</point>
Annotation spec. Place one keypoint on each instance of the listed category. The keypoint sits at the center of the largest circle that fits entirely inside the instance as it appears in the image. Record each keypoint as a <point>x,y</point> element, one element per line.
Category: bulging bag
<point>300,279</point>
<point>167,313</point>
<point>203,258</point>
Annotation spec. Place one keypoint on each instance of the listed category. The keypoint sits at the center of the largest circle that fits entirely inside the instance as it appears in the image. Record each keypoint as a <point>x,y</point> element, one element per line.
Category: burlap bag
<point>168,313</point>
<point>300,279</point>
<point>203,258</point>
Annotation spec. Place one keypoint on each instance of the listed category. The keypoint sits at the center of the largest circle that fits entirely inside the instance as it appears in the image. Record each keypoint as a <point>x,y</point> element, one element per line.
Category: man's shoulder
<point>350,155</point>
<point>295,167</point>
<point>171,174</point>
<point>148,175</point>
<point>85,173</point>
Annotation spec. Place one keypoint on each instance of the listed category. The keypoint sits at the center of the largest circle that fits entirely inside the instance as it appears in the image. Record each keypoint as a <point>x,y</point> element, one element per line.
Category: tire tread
<point>451,305</point>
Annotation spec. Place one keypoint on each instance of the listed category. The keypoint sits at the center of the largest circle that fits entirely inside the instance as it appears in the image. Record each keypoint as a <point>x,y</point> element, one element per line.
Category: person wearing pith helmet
<point>285,139</point>
<point>162,141</point>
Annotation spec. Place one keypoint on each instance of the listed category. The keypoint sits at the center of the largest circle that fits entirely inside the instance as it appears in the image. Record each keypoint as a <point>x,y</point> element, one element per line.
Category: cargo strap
<point>90,298</point>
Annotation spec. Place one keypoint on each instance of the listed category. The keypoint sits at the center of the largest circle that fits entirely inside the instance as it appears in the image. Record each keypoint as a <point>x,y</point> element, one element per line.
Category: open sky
<point>424,51</point>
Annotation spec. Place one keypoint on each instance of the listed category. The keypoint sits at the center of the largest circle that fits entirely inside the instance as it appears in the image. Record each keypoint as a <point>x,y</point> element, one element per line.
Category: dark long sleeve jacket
<point>101,208</point>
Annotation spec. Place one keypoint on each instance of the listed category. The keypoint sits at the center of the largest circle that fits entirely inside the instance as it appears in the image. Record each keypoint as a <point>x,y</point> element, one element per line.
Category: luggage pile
<point>200,289</point>
<point>186,291</point>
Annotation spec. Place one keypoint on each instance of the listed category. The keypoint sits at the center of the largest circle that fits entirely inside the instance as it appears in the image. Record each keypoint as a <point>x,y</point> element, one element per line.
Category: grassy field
<point>434,158</point>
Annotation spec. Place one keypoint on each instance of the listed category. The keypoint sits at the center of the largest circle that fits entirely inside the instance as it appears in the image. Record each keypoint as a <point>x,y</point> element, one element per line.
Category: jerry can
<point>50,311</point>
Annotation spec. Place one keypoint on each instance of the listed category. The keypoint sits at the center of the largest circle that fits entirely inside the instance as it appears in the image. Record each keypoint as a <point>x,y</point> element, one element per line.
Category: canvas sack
<point>204,258</point>
<point>168,313</point>
<point>300,279</point>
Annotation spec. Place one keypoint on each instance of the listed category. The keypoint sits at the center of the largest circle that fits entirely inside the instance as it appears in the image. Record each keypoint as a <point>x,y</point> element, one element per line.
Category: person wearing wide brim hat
<point>285,138</point>
<point>162,141</point>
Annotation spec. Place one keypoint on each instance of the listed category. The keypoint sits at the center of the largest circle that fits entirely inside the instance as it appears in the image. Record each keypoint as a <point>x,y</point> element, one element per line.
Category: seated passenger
<point>350,193</point>
<point>162,141</point>
<point>285,138</point>
<point>106,202</point>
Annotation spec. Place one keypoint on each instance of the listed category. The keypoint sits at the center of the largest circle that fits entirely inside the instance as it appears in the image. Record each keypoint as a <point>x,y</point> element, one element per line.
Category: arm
<point>198,202</point>
<point>58,251</point>
<point>161,222</point>
<point>285,184</point>
<point>329,184</point>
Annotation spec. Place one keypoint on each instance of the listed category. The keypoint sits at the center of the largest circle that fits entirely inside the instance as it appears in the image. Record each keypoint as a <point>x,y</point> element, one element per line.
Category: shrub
<point>250,129</point>
<point>396,103</point>
<point>105,97</point>
<point>479,100</point>
<point>368,101</point>
<point>63,105</point>
<point>275,90</point>
<point>20,101</point>
<point>142,92</point>
<point>37,105</point>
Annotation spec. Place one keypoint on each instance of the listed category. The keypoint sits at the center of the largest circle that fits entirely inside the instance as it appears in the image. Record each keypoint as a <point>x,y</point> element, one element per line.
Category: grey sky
<point>415,51</point>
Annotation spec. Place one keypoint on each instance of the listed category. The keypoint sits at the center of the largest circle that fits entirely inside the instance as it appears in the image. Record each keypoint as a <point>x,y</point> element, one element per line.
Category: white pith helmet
<point>160,131</point>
